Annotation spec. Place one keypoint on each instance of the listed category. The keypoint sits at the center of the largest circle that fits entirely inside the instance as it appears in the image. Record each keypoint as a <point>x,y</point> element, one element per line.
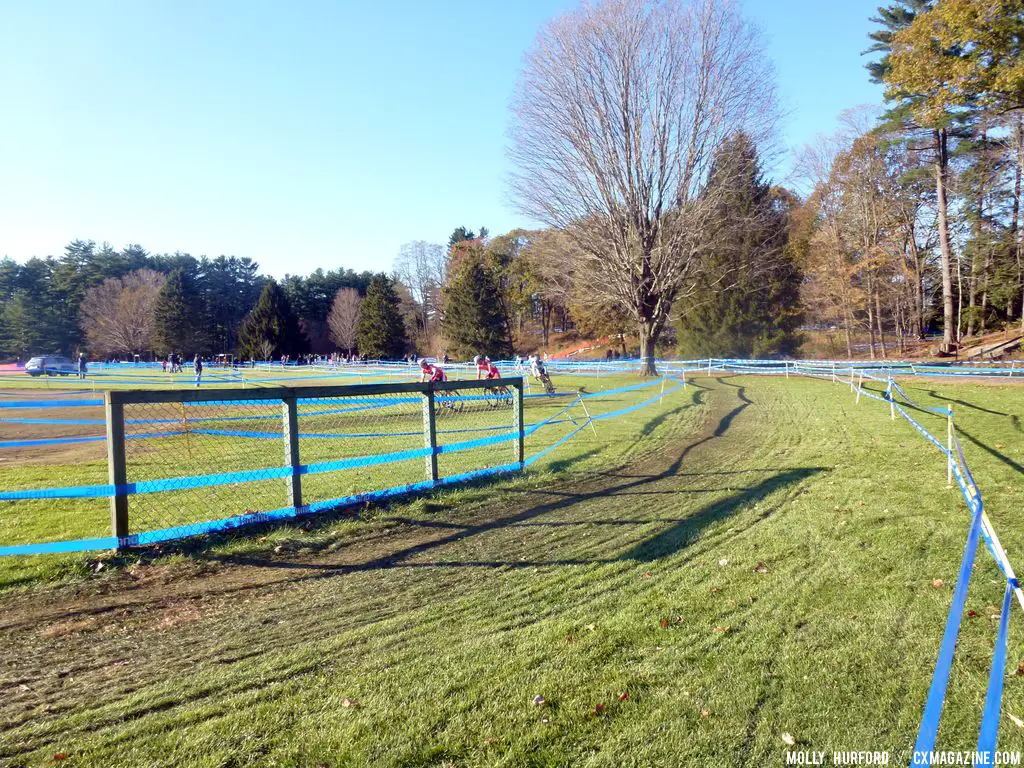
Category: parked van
<point>51,365</point>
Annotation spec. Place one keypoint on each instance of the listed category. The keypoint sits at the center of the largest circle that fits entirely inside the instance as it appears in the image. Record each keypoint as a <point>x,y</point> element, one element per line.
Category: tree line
<point>112,302</point>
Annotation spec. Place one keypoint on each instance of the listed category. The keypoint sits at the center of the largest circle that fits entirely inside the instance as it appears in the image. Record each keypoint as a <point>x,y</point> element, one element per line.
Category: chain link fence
<point>186,462</point>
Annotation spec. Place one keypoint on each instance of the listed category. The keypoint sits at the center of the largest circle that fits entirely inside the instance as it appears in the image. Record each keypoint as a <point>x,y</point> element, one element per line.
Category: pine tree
<point>179,323</point>
<point>744,304</point>
<point>271,328</point>
<point>381,330</point>
<point>474,314</point>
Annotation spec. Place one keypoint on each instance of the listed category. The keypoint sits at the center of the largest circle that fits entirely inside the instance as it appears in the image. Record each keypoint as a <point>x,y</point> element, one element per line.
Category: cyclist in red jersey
<point>485,369</point>
<point>430,372</point>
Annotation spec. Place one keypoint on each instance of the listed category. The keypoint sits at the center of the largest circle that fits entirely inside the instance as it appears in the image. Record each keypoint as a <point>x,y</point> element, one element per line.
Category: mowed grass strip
<point>754,557</point>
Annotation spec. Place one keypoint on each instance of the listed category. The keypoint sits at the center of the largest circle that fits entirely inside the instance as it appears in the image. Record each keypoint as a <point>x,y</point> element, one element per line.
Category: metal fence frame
<point>116,400</point>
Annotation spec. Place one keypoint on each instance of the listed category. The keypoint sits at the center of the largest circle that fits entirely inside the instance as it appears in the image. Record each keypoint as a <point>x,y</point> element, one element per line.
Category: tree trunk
<point>878,320</point>
<point>649,333</point>
<point>546,312</point>
<point>941,168</point>
<point>871,324</point>
<point>976,260</point>
<point>1017,233</point>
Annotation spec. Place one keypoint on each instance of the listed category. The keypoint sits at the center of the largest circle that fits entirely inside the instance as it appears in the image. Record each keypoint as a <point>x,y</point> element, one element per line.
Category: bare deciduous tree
<point>118,314</point>
<point>619,110</point>
<point>420,267</point>
<point>343,319</point>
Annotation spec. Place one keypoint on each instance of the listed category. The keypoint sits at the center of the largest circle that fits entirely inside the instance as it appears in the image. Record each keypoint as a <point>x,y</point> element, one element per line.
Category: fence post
<point>860,383</point>
<point>117,470</point>
<point>787,369</point>
<point>430,434</point>
<point>290,425</point>
<point>888,396</point>
<point>517,421</point>
<point>949,445</point>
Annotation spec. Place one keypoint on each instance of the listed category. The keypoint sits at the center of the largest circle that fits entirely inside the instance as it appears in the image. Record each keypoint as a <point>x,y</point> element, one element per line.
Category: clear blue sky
<point>306,134</point>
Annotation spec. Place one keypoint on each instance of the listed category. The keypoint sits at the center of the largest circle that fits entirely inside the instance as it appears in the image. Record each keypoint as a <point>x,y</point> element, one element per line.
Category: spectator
<point>197,364</point>
<point>81,365</point>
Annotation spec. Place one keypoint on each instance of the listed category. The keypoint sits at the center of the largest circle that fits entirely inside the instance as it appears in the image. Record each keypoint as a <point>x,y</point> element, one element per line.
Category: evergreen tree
<point>745,302</point>
<point>460,235</point>
<point>271,329</point>
<point>180,317</point>
<point>381,330</point>
<point>475,321</point>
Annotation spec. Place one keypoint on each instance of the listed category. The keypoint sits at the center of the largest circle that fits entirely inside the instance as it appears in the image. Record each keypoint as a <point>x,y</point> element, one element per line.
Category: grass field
<point>751,557</point>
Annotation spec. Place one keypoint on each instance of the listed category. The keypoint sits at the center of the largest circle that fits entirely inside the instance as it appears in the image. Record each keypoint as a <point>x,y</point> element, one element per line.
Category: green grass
<point>629,564</point>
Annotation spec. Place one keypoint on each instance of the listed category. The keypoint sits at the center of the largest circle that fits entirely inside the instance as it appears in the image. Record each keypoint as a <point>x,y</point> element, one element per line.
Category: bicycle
<point>549,388</point>
<point>498,397</point>
<point>447,402</point>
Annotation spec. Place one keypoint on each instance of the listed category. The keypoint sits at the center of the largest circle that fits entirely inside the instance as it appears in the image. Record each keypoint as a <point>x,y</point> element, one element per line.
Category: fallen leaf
<point>279,548</point>
<point>723,562</point>
<point>1016,720</point>
<point>679,619</point>
<point>598,710</point>
<point>715,590</point>
<point>852,616</point>
<point>24,687</point>
<point>570,638</point>
<point>647,575</point>
<point>999,445</point>
<point>972,614</point>
<point>705,713</point>
<point>731,602</point>
<point>1020,670</point>
<point>60,756</point>
<point>663,623</point>
<point>938,583</point>
<point>761,567</point>
<point>538,700</point>
<point>624,696</point>
<point>788,739</point>
<point>490,741</point>
<point>753,599</point>
<point>350,703</point>
<point>722,629</point>
<point>591,627</point>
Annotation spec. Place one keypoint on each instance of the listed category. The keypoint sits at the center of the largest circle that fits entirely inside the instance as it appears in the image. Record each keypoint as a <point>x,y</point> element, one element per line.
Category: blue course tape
<point>929,728</point>
<point>243,476</point>
<point>540,454</point>
<point>76,422</point>
<point>56,547</point>
<point>226,524</point>
<point>51,441</point>
<point>994,695</point>
<point>50,403</point>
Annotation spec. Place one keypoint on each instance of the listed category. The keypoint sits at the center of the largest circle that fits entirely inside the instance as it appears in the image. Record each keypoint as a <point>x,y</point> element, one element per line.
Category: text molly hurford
<point>949,757</point>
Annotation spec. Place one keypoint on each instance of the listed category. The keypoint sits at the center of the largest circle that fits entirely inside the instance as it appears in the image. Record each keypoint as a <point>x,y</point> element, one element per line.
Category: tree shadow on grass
<point>991,451</point>
<point>688,529</point>
<point>944,398</point>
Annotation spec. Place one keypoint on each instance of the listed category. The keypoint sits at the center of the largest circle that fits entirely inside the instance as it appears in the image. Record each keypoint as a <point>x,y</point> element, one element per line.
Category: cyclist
<point>485,369</point>
<point>538,372</point>
<point>430,372</point>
